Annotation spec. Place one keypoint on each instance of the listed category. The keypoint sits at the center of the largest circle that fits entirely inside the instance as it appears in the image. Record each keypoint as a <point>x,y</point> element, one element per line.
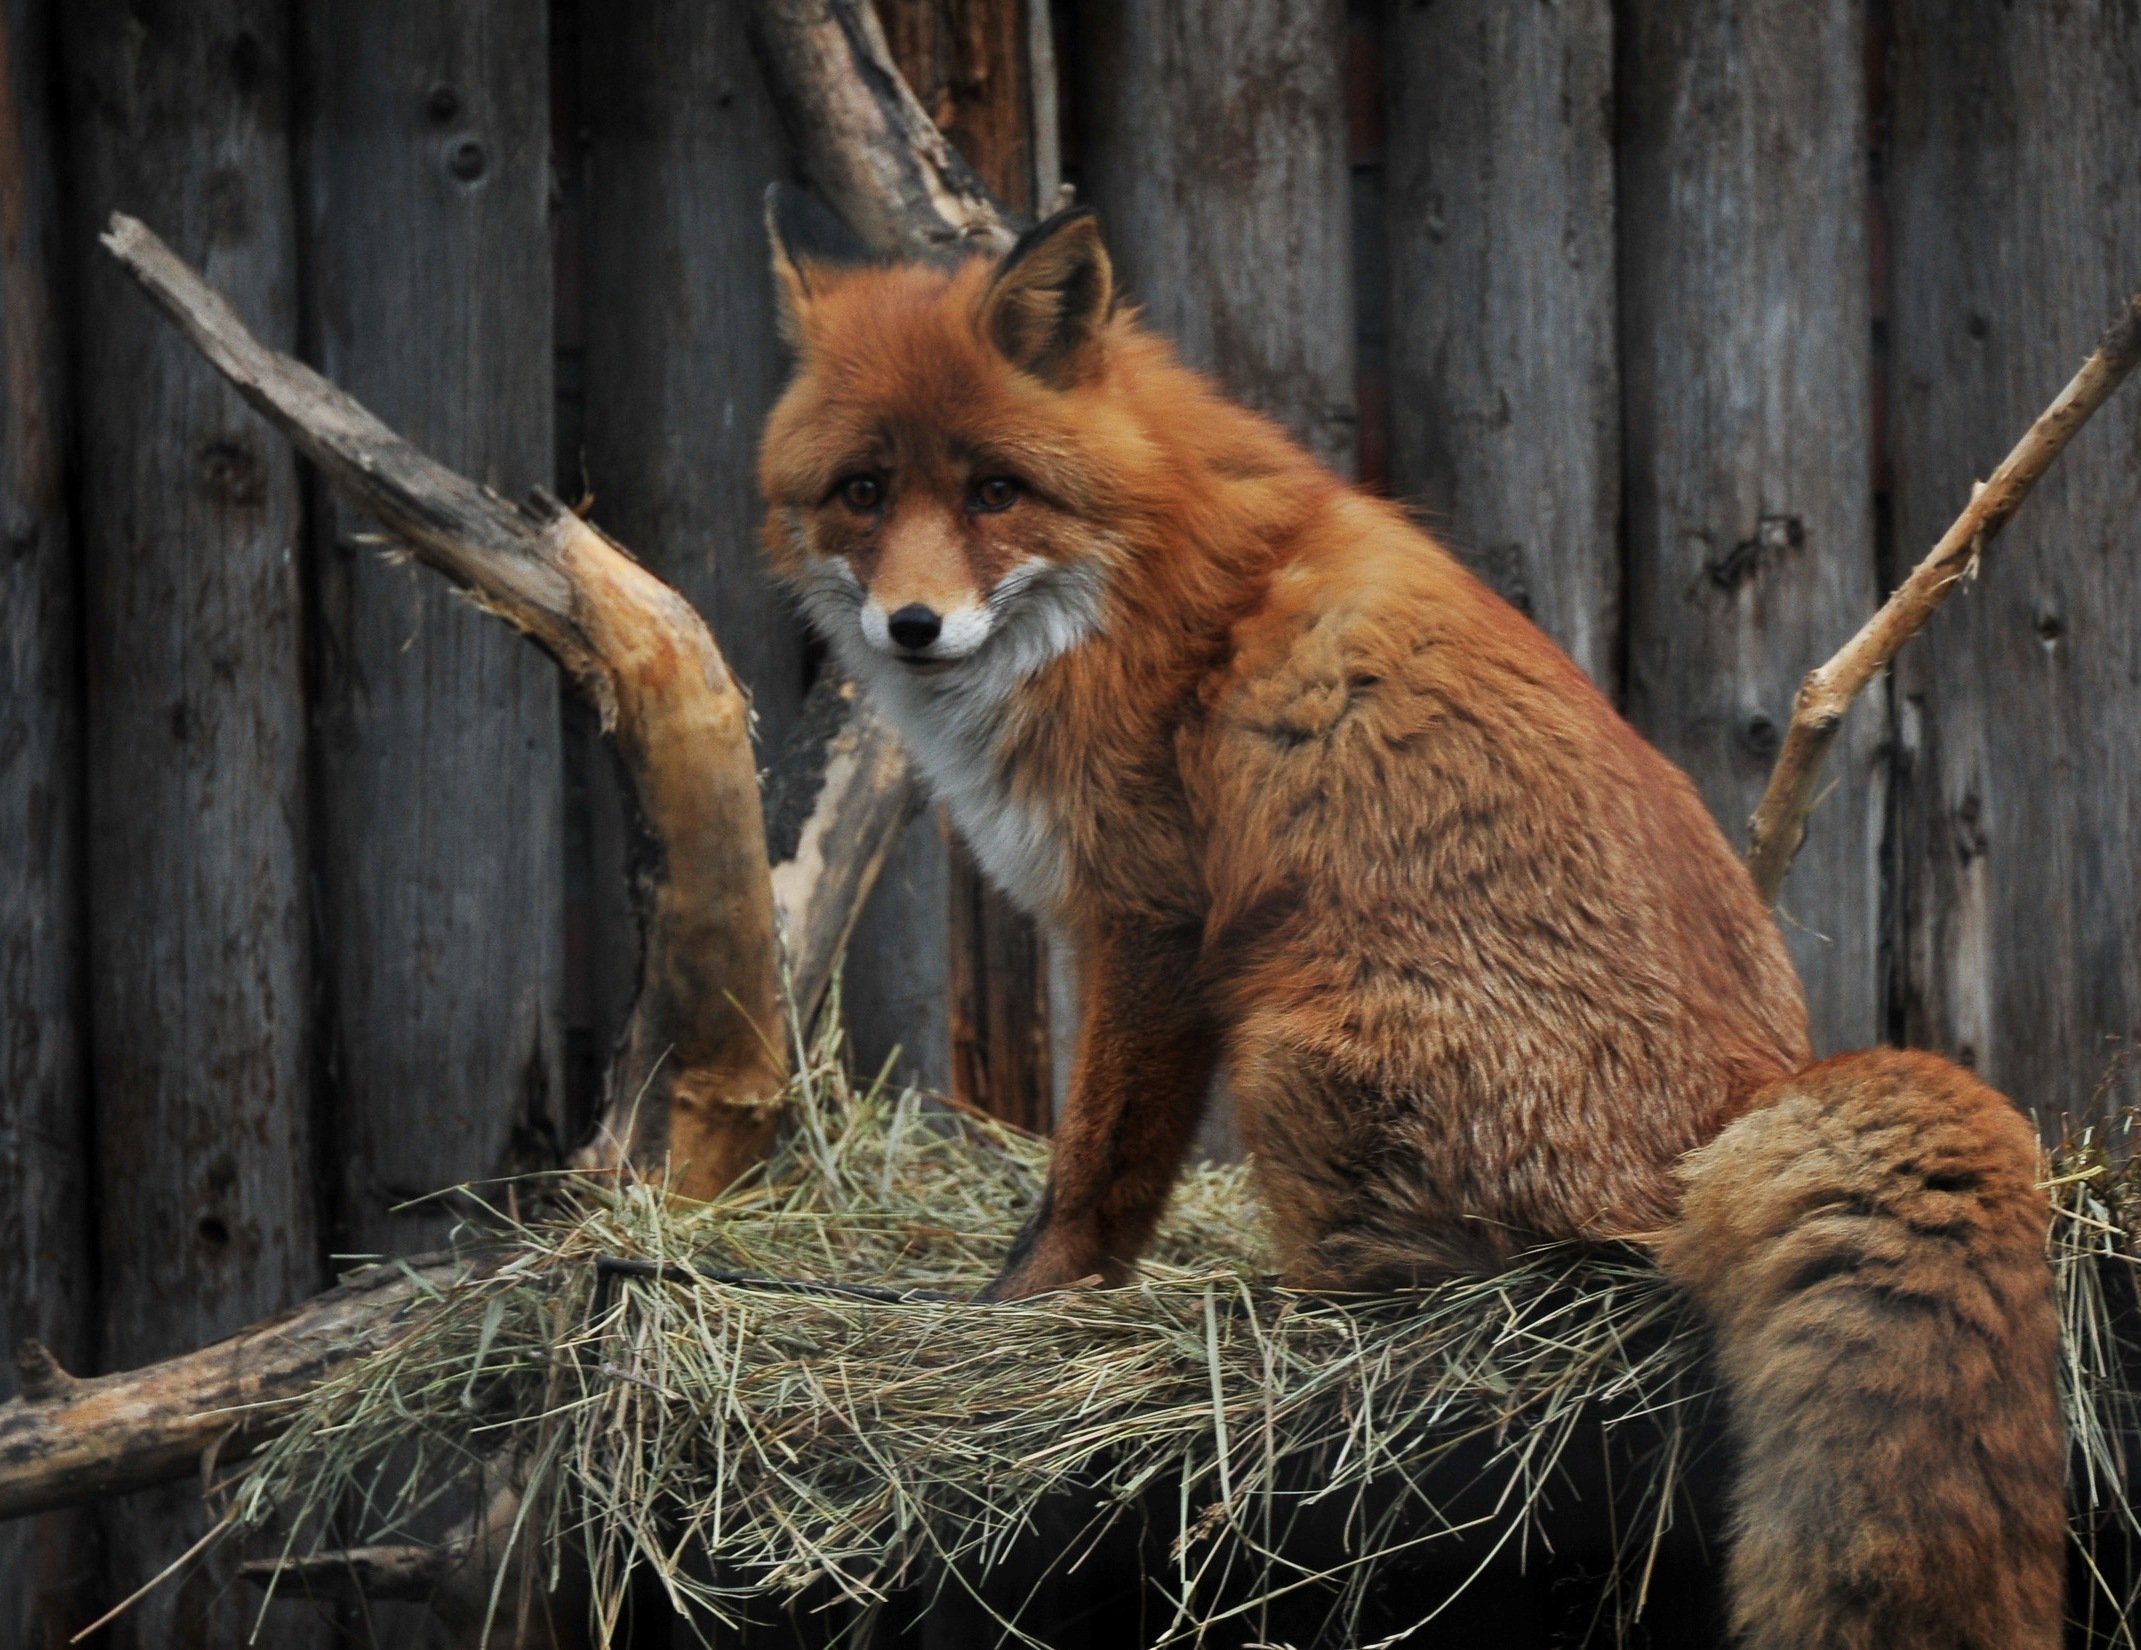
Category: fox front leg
<point>1147,1048</point>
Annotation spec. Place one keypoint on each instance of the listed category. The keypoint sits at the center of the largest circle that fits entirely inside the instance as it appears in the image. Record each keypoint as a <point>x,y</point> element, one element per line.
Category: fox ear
<point>806,240</point>
<point>1051,297</point>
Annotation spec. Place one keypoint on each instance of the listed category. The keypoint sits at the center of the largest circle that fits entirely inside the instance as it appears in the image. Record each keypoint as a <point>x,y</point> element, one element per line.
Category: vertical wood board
<point>1747,371</point>
<point>46,1272</point>
<point>2015,233</point>
<point>1504,372</point>
<point>1214,147</point>
<point>681,361</point>
<point>424,182</point>
<point>199,990</point>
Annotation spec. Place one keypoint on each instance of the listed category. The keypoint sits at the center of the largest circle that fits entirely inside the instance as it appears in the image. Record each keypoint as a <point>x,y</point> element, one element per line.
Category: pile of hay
<point>743,1444</point>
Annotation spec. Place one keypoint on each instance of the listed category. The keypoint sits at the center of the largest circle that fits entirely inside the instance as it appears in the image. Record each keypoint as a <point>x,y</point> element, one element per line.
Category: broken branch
<point>702,1063</point>
<point>866,145</point>
<point>1778,825</point>
<point>68,1439</point>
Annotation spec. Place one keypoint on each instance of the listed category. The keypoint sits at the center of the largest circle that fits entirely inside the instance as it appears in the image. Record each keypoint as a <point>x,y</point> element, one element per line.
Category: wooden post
<point>970,64</point>
<point>1214,146</point>
<point>425,249</point>
<point>46,1564</point>
<point>199,987</point>
<point>1504,371</point>
<point>675,141</point>
<point>2015,230</point>
<point>1746,345</point>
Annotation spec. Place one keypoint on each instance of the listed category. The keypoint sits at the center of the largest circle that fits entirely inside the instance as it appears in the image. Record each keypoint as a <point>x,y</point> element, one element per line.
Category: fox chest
<point>958,743</point>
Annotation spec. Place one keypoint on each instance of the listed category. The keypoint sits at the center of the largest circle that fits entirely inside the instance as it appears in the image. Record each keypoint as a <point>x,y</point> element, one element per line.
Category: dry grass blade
<point>747,1445</point>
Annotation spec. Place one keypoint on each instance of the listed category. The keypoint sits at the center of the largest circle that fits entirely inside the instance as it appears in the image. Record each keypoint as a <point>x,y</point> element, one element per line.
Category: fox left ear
<point>805,237</point>
<point>1050,298</point>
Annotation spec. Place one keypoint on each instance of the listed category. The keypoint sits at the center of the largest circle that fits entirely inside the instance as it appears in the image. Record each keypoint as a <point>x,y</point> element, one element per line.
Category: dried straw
<point>744,1446</point>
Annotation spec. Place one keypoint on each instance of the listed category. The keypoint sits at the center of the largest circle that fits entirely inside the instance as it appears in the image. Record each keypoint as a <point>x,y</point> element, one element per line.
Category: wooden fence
<point>1689,322</point>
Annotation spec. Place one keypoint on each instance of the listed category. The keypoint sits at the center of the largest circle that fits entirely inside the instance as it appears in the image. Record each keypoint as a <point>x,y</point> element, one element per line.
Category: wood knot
<point>42,1378</point>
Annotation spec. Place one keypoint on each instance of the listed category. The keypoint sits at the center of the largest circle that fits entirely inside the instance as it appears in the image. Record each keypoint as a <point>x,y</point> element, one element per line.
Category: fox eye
<point>862,493</point>
<point>995,493</point>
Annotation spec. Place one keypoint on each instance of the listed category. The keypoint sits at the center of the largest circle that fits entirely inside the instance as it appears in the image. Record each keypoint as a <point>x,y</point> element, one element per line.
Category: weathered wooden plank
<point>1213,144</point>
<point>2014,201</point>
<point>46,1564</point>
<point>680,358</point>
<point>1746,360</point>
<point>970,63</point>
<point>189,522</point>
<point>1504,367</point>
<point>423,174</point>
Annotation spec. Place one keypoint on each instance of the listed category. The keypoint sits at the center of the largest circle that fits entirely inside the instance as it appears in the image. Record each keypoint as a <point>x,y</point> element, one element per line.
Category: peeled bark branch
<point>1779,822</point>
<point>703,1062</point>
<point>836,801</point>
<point>866,145</point>
<point>69,1439</point>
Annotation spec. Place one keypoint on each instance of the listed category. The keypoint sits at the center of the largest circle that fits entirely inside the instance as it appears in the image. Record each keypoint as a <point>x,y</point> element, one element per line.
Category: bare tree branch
<point>68,1439</point>
<point>866,145</point>
<point>702,1062</point>
<point>1779,822</point>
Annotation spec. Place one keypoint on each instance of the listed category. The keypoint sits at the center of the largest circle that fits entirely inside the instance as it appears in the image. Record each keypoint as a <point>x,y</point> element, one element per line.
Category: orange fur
<point>1314,805</point>
<point>1870,1242</point>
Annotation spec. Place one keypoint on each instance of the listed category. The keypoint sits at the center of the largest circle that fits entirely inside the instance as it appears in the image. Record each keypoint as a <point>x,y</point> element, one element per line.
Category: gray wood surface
<point>189,525</point>
<point>424,181</point>
<point>1213,145</point>
<point>896,988</point>
<point>2015,212</point>
<point>1746,360</point>
<point>1504,377</point>
<point>677,140</point>
<point>682,360</point>
<point>45,1258</point>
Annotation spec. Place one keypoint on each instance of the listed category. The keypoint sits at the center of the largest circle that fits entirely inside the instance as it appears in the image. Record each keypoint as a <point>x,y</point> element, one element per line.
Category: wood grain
<point>1504,367</point>
<point>695,1077</point>
<point>2015,212</point>
<point>200,985</point>
<point>424,244</point>
<point>1746,343</point>
<point>46,1274</point>
<point>1214,147</point>
<point>682,358</point>
<point>67,1438</point>
<point>676,141</point>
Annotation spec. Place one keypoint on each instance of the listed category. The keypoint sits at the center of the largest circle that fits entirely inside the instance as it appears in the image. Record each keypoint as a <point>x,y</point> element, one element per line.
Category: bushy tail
<point>1869,1242</point>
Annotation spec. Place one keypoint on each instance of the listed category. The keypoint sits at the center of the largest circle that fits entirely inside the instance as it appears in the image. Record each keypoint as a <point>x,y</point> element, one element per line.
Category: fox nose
<point>914,626</point>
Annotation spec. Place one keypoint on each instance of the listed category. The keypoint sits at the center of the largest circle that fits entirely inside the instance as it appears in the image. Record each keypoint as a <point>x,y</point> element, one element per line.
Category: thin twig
<point>671,1271</point>
<point>1779,823</point>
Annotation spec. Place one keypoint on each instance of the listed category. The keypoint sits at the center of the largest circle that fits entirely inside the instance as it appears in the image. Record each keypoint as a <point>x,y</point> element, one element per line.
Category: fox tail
<point>1869,1245</point>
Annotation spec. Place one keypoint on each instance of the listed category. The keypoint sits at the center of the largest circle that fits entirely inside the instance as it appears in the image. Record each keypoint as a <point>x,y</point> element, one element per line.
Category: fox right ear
<point>1051,297</point>
<point>805,238</point>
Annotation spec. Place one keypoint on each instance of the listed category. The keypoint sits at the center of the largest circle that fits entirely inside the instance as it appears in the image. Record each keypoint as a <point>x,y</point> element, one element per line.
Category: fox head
<point>939,474</point>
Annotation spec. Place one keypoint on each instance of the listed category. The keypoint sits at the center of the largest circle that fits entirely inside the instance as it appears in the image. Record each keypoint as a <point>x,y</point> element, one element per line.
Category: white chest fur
<point>956,721</point>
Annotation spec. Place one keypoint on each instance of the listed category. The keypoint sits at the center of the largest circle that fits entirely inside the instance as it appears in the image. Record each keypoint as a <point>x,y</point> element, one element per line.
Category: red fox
<point>1319,810</point>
